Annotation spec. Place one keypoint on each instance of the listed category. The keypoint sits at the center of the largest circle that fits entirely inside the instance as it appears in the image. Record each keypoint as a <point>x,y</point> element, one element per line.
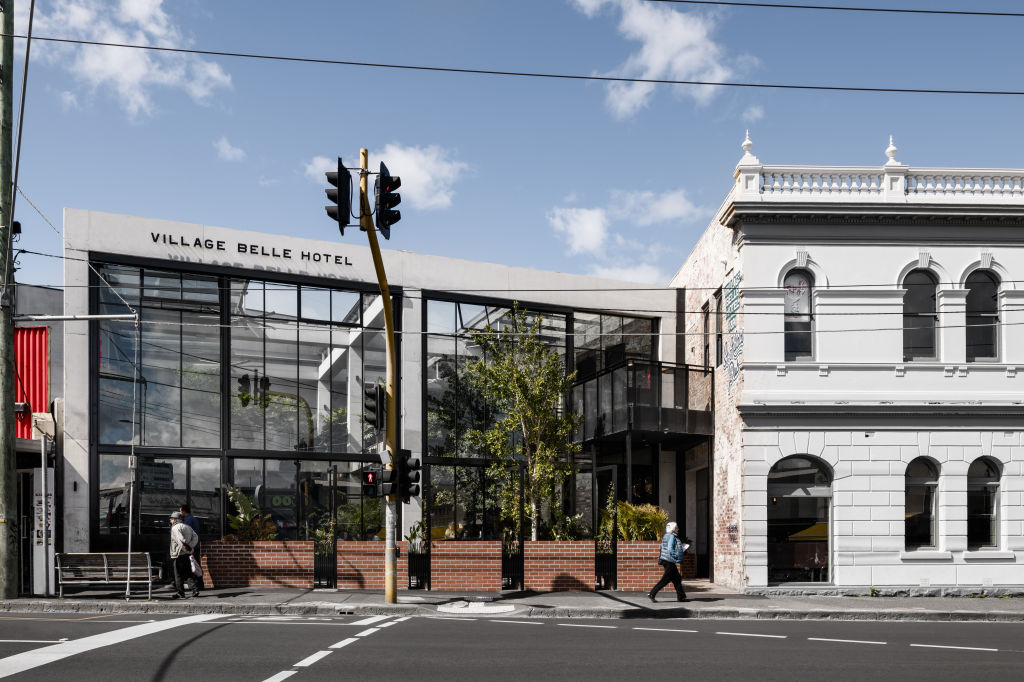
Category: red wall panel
<point>32,383</point>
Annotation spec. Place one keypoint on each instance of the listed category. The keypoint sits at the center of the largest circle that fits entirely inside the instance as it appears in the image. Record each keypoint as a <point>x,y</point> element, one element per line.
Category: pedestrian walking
<point>183,541</point>
<point>193,523</point>
<point>672,549</point>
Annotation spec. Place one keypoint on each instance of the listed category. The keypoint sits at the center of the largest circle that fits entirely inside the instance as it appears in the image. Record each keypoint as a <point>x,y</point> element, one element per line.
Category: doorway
<point>799,519</point>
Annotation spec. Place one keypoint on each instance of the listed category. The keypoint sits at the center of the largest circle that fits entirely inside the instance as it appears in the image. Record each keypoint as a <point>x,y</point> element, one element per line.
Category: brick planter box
<point>550,565</point>
<point>637,565</point>
<point>465,565</point>
<point>361,565</point>
<point>271,563</point>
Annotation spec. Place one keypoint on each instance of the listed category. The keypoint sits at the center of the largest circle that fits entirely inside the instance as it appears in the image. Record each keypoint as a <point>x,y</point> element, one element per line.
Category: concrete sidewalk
<point>705,601</point>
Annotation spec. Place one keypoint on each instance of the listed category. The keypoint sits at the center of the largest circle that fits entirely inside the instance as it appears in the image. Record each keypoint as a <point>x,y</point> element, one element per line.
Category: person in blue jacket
<point>672,549</point>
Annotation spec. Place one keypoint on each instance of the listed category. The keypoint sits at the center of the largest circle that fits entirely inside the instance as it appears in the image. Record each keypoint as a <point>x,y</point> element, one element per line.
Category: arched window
<point>919,316</point>
<point>982,504</point>
<point>798,318</point>
<point>799,498</point>
<point>921,484</point>
<point>982,315</point>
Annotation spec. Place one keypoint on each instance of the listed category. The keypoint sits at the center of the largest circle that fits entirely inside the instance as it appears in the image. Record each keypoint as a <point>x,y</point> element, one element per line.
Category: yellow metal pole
<point>391,411</point>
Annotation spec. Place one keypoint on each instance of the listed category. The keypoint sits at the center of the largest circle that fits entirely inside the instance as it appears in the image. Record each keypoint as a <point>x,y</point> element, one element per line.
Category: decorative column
<point>952,308</point>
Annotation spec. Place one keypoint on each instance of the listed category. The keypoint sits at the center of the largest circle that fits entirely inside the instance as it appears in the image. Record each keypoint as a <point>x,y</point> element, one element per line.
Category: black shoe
<point>651,597</point>
<point>177,596</point>
<point>195,594</point>
<point>682,598</point>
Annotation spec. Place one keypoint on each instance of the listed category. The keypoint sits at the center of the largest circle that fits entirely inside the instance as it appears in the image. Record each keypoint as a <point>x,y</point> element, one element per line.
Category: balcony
<point>654,398</point>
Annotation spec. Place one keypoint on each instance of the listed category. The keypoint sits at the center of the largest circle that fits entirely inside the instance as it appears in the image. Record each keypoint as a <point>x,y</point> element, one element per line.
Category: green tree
<point>525,382</point>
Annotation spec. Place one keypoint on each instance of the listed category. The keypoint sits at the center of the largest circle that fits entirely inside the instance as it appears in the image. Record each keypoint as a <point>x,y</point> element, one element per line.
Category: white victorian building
<point>866,329</point>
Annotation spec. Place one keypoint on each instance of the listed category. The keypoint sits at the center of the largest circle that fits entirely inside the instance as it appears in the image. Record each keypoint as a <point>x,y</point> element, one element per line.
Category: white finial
<point>890,151</point>
<point>748,158</point>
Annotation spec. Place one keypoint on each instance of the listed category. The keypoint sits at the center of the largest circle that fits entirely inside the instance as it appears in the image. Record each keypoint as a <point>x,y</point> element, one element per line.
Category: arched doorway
<point>799,514</point>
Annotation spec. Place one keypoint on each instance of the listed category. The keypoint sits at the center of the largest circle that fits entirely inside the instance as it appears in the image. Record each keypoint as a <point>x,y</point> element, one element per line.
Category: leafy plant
<point>417,534</point>
<point>636,521</point>
<point>249,524</point>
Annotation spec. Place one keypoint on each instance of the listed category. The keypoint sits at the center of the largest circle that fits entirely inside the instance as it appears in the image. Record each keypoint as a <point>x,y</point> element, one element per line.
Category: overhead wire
<point>889,10</point>
<point>527,74</point>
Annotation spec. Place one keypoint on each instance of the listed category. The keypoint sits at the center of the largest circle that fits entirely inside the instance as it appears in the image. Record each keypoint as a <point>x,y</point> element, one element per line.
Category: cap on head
<point>177,515</point>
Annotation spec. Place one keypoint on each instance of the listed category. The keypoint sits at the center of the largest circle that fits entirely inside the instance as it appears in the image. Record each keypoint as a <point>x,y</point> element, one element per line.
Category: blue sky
<point>563,175</point>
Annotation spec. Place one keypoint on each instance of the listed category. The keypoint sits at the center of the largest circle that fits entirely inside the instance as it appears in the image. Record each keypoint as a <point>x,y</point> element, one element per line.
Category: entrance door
<point>703,507</point>
<point>799,510</point>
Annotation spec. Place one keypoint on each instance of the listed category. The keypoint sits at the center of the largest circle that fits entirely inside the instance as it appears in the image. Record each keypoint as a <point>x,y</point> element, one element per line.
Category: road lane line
<point>283,675</point>
<point>368,631</point>
<point>49,654</point>
<point>33,641</point>
<point>310,660</point>
<point>574,625</point>
<point>848,641</point>
<point>518,622</point>
<point>665,630</point>
<point>750,634</point>
<point>370,621</point>
<point>399,620</point>
<point>384,625</point>
<point>449,618</point>
<point>943,646</point>
<point>344,642</point>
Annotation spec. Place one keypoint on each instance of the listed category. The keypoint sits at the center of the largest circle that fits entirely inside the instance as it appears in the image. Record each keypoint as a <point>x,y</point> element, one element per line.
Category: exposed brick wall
<point>361,565</point>
<point>550,565</point>
<point>465,565</point>
<point>258,564</point>
<point>638,568</point>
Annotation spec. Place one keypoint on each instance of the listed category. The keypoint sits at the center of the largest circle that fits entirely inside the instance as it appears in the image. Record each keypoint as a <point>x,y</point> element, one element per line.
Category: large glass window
<point>922,482</point>
<point>799,502</point>
<point>982,315</point>
<point>602,341</point>
<point>919,316</point>
<point>983,504</point>
<point>798,317</point>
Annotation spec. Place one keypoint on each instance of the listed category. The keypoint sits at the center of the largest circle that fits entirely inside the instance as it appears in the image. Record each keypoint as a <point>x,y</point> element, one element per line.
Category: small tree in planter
<point>525,382</point>
<point>249,523</point>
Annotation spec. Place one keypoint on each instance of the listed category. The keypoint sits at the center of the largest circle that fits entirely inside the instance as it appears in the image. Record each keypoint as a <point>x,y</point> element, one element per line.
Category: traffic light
<point>408,475</point>
<point>244,390</point>
<point>340,196</point>
<point>374,405</point>
<point>370,480</point>
<point>388,482</point>
<point>264,393</point>
<point>386,199</point>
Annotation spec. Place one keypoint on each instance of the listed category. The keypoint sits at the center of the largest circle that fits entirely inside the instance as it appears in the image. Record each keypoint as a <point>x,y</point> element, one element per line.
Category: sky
<point>616,180</point>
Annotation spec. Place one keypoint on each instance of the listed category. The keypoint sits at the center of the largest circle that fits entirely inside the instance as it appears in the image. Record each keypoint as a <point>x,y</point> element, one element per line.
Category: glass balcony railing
<point>645,396</point>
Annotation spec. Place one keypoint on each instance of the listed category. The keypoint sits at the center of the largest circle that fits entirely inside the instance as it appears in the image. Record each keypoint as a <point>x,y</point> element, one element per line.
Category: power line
<point>891,10</point>
<point>525,74</point>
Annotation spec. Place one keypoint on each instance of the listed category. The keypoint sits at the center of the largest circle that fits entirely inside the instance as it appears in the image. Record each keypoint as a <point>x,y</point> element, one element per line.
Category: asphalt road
<point>254,648</point>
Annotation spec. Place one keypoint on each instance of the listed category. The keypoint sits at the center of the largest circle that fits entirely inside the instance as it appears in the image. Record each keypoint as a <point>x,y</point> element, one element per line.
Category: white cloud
<point>264,181</point>
<point>316,167</point>
<point>226,151</point>
<point>68,100</point>
<point>130,75</point>
<point>674,45</point>
<point>647,208</point>
<point>753,113</point>
<point>644,273</point>
<point>584,229</point>
<point>428,174</point>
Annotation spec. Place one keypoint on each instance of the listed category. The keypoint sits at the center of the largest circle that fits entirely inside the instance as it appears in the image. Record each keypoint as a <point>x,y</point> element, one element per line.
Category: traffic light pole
<point>391,413</point>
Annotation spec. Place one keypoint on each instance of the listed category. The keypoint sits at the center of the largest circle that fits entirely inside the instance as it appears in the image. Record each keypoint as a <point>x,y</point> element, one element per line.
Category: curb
<point>522,610</point>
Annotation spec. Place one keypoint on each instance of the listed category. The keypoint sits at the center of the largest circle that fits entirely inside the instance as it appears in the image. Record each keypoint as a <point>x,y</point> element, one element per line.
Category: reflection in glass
<point>982,315</point>
<point>982,504</point>
<point>922,479</point>
<point>919,315</point>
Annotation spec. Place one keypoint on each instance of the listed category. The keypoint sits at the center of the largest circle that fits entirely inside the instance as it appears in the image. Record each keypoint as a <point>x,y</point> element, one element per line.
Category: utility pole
<point>391,413</point>
<point>10,563</point>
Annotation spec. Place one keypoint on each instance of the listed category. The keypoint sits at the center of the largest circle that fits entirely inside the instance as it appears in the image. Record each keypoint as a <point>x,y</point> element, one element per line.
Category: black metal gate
<point>419,570</point>
<point>325,549</point>
<point>512,567</point>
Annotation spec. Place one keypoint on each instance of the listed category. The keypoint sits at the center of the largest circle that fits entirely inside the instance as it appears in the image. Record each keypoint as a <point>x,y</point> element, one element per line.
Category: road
<point>253,648</point>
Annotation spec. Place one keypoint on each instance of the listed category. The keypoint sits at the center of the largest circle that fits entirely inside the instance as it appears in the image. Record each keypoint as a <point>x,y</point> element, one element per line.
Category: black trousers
<point>183,572</point>
<point>671,575</point>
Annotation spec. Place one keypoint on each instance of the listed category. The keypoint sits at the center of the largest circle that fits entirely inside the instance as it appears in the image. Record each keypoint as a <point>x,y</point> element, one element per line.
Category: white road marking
<point>848,641</point>
<point>310,660</point>
<point>283,675</point>
<point>384,625</point>
<point>520,622</point>
<point>344,642</point>
<point>942,646</point>
<point>49,654</point>
<point>399,620</point>
<point>368,631</point>
<point>750,634</point>
<point>574,625</point>
<point>370,621</point>
<point>34,641</point>
<point>449,618</point>
<point>665,630</point>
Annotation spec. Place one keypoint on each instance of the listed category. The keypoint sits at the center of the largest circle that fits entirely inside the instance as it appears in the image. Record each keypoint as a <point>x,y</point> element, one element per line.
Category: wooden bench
<point>104,568</point>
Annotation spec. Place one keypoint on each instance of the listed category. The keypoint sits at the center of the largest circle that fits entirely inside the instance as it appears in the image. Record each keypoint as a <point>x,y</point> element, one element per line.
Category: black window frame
<point>919,315</point>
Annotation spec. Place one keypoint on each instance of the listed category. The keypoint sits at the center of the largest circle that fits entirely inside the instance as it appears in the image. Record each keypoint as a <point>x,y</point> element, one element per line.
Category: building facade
<point>865,328</point>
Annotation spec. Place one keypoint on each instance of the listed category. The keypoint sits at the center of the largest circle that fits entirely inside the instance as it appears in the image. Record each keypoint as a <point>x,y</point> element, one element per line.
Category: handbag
<point>197,568</point>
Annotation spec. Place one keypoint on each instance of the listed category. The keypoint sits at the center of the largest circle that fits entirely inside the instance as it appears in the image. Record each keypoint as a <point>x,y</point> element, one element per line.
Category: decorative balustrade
<point>967,184</point>
<point>846,183</point>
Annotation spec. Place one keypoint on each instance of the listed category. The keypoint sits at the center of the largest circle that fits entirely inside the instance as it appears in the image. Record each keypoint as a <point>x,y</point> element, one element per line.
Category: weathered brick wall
<point>551,565</point>
<point>465,565</point>
<point>638,567</point>
<point>361,565</point>
<point>258,564</point>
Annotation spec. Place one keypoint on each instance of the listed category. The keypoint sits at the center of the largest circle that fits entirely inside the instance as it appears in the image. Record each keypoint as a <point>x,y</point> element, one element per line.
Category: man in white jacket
<point>183,541</point>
